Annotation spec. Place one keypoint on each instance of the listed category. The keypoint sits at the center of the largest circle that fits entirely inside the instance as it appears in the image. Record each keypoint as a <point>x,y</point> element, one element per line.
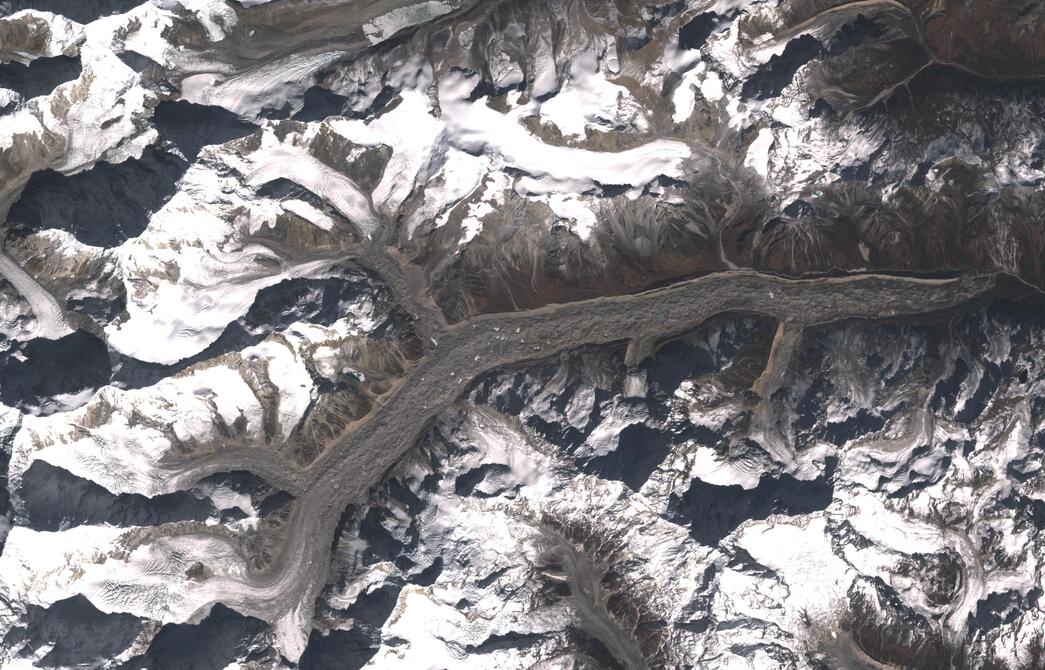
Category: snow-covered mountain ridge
<point>542,334</point>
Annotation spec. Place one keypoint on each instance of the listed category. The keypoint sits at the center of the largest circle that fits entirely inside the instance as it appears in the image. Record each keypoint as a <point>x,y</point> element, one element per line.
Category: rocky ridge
<point>652,336</point>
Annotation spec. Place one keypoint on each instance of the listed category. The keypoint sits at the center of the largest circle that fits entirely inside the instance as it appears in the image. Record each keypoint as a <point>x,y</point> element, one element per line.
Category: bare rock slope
<point>536,334</point>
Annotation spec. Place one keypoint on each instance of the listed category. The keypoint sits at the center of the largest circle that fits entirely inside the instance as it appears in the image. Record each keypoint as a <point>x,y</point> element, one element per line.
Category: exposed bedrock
<point>345,472</point>
<point>885,599</point>
<point>522,334</point>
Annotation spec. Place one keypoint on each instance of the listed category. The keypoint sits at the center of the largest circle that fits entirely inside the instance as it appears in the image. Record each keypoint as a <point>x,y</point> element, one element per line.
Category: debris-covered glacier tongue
<point>537,334</point>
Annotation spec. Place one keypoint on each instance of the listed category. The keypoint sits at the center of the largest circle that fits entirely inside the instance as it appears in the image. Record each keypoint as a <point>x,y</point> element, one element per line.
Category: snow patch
<point>757,157</point>
<point>381,28</point>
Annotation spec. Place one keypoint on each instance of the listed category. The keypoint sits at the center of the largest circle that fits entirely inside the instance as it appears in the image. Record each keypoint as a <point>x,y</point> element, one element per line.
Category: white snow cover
<point>64,36</point>
<point>577,210</point>
<point>302,168</point>
<point>48,314</point>
<point>458,178</point>
<point>271,85</point>
<point>199,252</point>
<point>416,138</point>
<point>110,567</point>
<point>496,538</point>
<point>110,109</point>
<point>100,116</point>
<point>382,27</point>
<point>758,153</point>
<point>815,579</point>
<point>199,265</point>
<point>708,83</point>
<point>215,17</point>
<point>452,153</point>
<point>587,99</point>
<point>108,442</point>
<point>478,129</point>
